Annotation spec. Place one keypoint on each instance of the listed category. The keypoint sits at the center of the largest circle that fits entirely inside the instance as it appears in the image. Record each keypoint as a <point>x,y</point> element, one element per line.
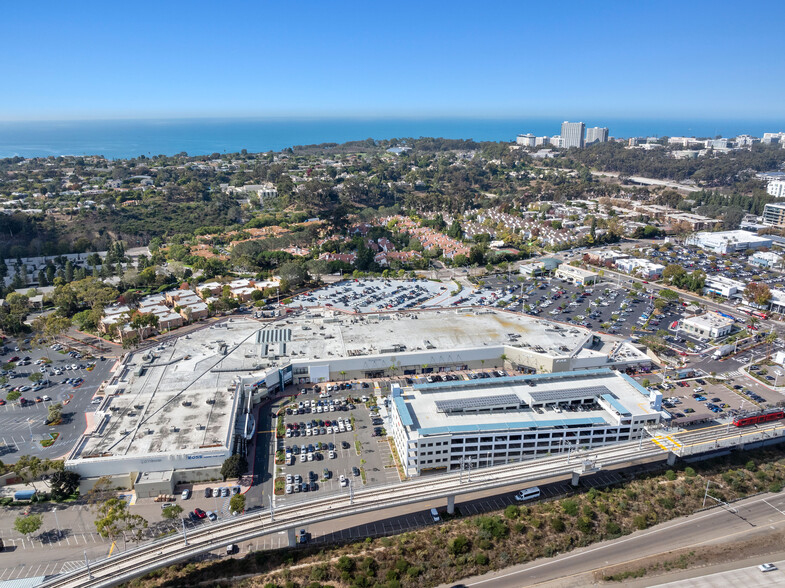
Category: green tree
<point>757,293</point>
<point>55,413</point>
<point>28,524</point>
<point>35,377</point>
<point>63,483</point>
<point>113,519</point>
<point>171,512</point>
<point>234,467</point>
<point>237,503</point>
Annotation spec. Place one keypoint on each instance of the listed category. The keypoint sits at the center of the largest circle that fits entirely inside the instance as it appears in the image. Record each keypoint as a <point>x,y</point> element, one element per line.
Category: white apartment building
<point>596,135</point>
<point>776,188</point>
<point>572,134</point>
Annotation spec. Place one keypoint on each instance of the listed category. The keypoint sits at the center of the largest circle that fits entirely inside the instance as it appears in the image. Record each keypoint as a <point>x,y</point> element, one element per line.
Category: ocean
<point>117,139</point>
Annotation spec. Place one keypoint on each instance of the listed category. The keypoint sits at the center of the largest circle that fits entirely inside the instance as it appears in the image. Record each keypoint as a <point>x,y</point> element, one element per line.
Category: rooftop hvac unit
<point>186,403</point>
<point>199,427</point>
<point>138,406</point>
<point>150,431</point>
<point>210,401</point>
<point>173,429</point>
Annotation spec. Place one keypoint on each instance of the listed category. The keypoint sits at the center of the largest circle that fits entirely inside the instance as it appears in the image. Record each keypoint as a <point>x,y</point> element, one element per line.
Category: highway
<point>148,557</point>
<point>760,514</point>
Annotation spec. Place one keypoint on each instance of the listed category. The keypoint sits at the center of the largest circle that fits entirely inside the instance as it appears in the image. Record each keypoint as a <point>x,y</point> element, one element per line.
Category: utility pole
<point>351,492</point>
<point>185,534</point>
<point>272,510</point>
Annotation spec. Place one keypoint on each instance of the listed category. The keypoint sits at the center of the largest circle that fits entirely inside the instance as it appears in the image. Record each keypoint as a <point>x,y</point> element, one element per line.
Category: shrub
<point>775,487</point>
<point>584,525</point>
<point>558,524</point>
<point>345,564</point>
<point>588,511</point>
<point>319,573</point>
<point>511,512</point>
<point>485,544</point>
<point>414,571</point>
<point>492,527</point>
<point>750,466</point>
<point>401,565</point>
<point>640,522</point>
<point>612,528</point>
<point>667,502</point>
<point>690,472</point>
<point>536,523</point>
<point>457,546</point>
<point>570,507</point>
<point>481,559</point>
<point>670,475</point>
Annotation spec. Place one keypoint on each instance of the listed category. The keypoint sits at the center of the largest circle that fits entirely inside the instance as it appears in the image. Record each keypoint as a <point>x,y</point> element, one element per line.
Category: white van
<point>528,494</point>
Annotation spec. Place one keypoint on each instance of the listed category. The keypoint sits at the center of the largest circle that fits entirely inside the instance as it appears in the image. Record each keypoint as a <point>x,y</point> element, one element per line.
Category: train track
<point>146,558</point>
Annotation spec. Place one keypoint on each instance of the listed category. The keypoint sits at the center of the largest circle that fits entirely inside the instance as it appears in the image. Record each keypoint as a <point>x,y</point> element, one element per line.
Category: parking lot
<point>372,295</point>
<point>23,428</point>
<point>326,458</point>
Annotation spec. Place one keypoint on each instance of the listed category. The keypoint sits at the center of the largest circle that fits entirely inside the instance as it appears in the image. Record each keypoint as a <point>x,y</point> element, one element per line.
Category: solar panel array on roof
<point>617,406</point>
<point>477,403</point>
<point>564,393</point>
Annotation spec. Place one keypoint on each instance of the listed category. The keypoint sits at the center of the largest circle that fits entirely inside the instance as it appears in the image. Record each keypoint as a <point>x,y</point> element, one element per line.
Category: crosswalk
<point>732,374</point>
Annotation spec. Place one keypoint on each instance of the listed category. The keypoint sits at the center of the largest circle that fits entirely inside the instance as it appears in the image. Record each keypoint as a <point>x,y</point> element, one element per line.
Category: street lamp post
<point>707,495</point>
<point>57,523</point>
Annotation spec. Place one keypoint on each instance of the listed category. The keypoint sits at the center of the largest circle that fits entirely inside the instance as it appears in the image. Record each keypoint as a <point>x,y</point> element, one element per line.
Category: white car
<point>767,567</point>
<point>96,400</point>
<point>343,481</point>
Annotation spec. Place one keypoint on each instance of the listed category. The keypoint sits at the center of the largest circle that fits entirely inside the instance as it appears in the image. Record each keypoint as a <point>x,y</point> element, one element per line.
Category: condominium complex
<point>572,134</point>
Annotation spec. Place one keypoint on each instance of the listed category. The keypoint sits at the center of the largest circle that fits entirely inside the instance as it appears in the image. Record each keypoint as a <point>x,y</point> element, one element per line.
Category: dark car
<point>345,444</point>
<point>208,492</point>
<point>355,471</point>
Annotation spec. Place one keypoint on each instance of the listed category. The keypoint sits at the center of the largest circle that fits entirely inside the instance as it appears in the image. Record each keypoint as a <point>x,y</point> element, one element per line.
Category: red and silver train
<point>759,417</point>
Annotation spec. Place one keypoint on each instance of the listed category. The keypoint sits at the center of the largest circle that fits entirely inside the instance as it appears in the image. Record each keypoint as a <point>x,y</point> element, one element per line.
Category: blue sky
<point>565,59</point>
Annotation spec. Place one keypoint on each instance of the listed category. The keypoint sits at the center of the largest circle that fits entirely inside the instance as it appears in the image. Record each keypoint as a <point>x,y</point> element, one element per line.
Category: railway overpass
<point>145,558</point>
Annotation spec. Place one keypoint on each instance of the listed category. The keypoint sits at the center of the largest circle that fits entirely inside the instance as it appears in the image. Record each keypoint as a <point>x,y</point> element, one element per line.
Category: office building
<point>479,423</point>
<point>774,215</point>
<point>596,135</point>
<point>572,134</point>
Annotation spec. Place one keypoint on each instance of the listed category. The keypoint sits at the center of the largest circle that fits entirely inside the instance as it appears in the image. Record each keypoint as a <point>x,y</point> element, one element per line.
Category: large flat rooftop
<point>343,335</point>
<point>521,402</point>
<point>177,397</point>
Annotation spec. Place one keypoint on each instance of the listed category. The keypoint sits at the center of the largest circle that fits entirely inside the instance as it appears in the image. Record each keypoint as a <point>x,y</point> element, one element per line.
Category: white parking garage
<point>449,425</point>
